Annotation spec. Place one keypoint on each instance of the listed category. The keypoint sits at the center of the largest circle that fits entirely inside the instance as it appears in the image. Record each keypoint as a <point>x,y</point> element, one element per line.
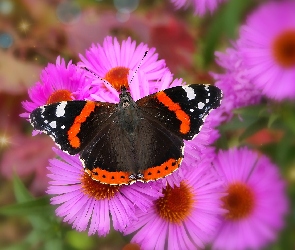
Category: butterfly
<point>131,140</point>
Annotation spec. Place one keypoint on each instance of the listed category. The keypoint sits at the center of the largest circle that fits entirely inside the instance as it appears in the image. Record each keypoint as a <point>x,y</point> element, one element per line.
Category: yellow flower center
<point>284,49</point>
<point>59,95</point>
<point>176,204</point>
<point>118,77</point>
<point>97,190</point>
<point>239,202</point>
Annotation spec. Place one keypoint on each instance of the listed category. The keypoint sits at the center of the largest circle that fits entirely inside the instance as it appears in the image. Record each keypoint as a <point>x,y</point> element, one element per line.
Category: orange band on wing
<point>75,128</point>
<point>180,114</point>
<point>166,168</point>
<point>111,178</point>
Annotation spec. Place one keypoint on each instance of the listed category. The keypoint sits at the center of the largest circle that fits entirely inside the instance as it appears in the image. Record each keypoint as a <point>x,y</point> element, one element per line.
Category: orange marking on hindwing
<point>161,171</point>
<point>174,107</point>
<point>75,128</point>
<point>111,178</point>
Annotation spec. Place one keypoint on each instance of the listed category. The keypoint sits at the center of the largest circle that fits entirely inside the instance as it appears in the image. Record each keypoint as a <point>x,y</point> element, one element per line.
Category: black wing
<point>72,124</point>
<point>114,149</point>
<point>183,109</point>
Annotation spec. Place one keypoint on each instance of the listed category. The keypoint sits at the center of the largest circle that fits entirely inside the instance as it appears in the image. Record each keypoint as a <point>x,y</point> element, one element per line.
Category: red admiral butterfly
<point>129,141</point>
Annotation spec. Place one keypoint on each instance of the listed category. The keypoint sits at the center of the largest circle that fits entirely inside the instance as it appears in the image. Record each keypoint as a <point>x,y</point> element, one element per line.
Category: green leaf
<point>253,128</point>
<point>32,207</point>
<point>289,122</point>
<point>237,123</point>
<point>233,13</point>
<point>259,110</point>
<point>17,246</point>
<point>284,154</point>
<point>20,191</point>
<point>79,240</point>
<point>224,23</point>
<point>56,244</point>
<point>272,119</point>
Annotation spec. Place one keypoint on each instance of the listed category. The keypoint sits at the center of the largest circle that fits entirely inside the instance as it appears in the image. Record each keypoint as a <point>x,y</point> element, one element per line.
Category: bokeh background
<point>33,33</point>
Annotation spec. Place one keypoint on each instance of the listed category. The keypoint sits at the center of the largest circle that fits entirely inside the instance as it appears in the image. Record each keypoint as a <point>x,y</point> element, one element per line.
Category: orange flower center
<point>239,202</point>
<point>176,204</point>
<point>284,49</point>
<point>96,189</point>
<point>118,77</point>
<point>59,96</point>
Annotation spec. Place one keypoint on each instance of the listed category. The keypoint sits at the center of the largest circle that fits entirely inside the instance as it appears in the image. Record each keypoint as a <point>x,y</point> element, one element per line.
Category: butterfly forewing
<point>115,149</point>
<point>71,124</point>
<point>182,110</point>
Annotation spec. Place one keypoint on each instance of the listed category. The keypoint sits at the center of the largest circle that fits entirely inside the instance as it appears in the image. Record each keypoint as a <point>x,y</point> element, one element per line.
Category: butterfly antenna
<point>96,75</point>
<point>135,72</point>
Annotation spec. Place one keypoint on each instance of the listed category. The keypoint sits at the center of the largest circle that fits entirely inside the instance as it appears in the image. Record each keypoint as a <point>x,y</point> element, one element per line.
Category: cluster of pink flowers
<point>190,208</point>
<point>232,199</point>
<point>262,61</point>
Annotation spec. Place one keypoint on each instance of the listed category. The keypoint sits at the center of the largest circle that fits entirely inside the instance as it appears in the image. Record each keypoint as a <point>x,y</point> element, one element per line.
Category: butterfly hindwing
<point>141,152</point>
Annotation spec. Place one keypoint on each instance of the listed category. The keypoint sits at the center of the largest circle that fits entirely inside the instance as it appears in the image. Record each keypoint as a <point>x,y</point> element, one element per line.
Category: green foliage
<point>223,25</point>
<point>46,229</point>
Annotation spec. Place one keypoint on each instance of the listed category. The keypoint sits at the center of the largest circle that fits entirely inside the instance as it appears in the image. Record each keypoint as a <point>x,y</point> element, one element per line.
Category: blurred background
<point>33,33</point>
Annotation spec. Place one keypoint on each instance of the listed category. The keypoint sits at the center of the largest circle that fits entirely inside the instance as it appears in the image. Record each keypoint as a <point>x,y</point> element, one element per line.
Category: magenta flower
<point>267,42</point>
<point>256,200</point>
<point>88,204</point>
<point>238,90</point>
<point>108,61</point>
<point>186,217</point>
<point>200,6</point>
<point>59,82</point>
<point>116,63</point>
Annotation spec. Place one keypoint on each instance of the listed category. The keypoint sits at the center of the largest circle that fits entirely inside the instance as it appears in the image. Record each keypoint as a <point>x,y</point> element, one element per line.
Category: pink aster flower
<point>116,63</point>
<point>88,204</point>
<point>200,6</point>
<point>255,200</point>
<point>108,62</point>
<point>195,150</point>
<point>59,82</point>
<point>186,217</point>
<point>238,90</point>
<point>267,42</point>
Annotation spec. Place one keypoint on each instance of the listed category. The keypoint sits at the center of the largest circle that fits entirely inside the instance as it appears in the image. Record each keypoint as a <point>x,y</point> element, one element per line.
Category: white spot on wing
<point>60,109</point>
<point>190,93</point>
<point>62,127</point>
<point>201,105</point>
<point>52,124</point>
